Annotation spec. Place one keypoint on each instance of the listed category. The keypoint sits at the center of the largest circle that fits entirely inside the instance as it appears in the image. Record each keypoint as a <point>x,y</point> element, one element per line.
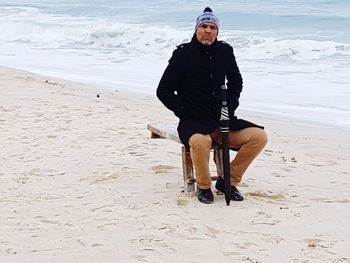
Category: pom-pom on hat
<point>207,16</point>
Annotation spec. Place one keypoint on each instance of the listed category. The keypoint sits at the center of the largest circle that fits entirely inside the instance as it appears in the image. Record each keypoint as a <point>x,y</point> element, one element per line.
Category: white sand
<point>81,181</point>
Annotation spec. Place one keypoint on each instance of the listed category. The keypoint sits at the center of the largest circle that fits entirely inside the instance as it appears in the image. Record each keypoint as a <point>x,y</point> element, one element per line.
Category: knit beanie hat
<point>207,16</point>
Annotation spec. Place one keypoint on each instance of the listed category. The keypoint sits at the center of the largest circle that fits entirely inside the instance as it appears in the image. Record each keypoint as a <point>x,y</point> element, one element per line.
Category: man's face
<point>206,33</point>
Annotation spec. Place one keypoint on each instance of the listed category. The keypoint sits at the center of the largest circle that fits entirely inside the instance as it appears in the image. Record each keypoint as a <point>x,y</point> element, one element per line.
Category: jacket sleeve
<point>167,91</point>
<point>234,83</point>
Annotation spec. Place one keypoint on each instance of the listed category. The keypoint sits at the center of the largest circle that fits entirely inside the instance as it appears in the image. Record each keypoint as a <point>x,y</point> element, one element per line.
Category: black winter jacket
<point>191,87</point>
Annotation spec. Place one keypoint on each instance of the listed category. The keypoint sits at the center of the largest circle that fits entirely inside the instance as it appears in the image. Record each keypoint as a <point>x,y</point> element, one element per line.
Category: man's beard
<point>206,42</point>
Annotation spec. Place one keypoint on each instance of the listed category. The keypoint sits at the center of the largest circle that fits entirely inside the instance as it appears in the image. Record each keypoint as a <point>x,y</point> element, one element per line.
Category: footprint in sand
<point>183,201</point>
<point>11,251</point>
<point>104,178</point>
<point>267,196</point>
<point>212,232</point>
<point>329,200</point>
<point>158,169</point>
<point>321,161</point>
<point>268,152</point>
<point>324,163</point>
<point>312,242</point>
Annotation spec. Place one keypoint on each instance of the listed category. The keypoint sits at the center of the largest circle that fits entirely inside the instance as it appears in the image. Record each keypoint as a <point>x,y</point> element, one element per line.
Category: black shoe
<point>205,195</point>
<point>235,194</point>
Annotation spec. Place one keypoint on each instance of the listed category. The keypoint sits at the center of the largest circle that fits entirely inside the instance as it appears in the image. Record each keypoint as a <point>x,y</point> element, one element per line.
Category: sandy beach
<point>82,181</point>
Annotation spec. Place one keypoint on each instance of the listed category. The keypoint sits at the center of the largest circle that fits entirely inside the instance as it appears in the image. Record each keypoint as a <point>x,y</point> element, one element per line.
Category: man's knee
<point>261,137</point>
<point>200,141</point>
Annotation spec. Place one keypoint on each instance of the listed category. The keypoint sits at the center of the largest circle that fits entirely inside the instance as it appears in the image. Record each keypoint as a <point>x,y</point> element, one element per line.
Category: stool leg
<point>218,161</point>
<point>188,173</point>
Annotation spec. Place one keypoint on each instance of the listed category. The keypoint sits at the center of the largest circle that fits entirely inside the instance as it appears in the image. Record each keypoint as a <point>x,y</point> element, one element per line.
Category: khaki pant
<point>250,141</point>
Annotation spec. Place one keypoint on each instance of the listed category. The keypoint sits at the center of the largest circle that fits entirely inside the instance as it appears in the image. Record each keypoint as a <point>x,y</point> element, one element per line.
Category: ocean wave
<point>28,26</point>
<point>261,46</point>
<point>56,31</point>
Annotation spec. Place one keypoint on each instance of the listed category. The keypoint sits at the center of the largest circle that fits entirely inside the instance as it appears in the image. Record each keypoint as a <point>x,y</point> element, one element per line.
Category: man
<point>191,88</point>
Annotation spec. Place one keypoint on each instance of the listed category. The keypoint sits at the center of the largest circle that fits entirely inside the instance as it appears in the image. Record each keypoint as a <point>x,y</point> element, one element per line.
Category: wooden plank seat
<point>169,131</point>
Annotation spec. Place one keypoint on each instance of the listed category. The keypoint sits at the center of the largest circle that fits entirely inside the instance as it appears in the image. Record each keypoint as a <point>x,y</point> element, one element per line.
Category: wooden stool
<point>169,131</point>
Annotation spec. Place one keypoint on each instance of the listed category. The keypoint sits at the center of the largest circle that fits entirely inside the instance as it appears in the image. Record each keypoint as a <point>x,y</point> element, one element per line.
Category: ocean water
<point>294,55</point>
